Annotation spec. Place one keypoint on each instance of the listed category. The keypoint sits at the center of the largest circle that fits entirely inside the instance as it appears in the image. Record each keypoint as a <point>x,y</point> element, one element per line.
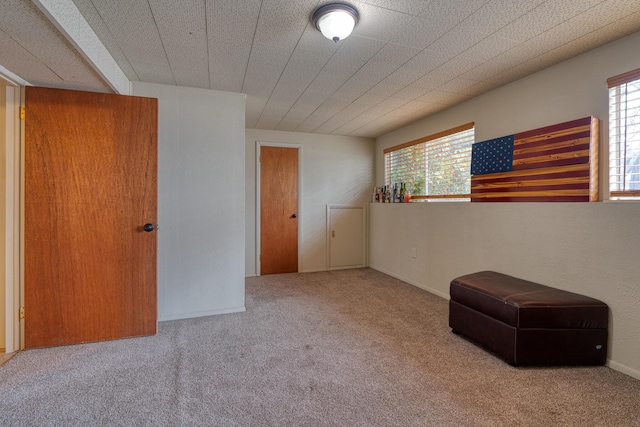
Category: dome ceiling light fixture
<point>335,20</point>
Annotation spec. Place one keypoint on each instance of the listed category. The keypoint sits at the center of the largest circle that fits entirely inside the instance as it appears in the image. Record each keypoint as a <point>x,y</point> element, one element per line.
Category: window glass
<point>438,165</point>
<point>624,136</point>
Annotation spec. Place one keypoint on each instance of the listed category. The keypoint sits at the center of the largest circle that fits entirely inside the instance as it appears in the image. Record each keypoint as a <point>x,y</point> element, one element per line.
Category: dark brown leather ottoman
<point>526,323</point>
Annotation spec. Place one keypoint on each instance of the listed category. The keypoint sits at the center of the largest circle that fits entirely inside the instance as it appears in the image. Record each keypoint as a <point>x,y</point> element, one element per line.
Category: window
<point>624,135</point>
<point>433,167</point>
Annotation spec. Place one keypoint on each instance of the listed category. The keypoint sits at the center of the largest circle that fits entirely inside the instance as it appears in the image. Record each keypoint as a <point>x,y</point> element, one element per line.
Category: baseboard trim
<point>624,369</point>
<point>314,270</point>
<point>411,282</point>
<point>201,314</point>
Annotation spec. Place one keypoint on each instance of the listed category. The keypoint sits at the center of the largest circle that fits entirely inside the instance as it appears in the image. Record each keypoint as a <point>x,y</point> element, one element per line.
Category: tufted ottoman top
<point>525,304</point>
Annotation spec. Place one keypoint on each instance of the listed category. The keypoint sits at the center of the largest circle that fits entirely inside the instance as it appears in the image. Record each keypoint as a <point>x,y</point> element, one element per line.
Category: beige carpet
<point>347,348</point>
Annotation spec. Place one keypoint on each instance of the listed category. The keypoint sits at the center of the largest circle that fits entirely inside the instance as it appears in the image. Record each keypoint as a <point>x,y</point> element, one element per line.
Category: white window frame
<point>624,136</point>
<point>433,144</point>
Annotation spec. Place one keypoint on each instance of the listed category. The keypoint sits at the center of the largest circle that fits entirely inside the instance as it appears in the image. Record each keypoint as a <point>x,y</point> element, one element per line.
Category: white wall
<point>586,248</point>
<point>200,200</point>
<point>335,170</point>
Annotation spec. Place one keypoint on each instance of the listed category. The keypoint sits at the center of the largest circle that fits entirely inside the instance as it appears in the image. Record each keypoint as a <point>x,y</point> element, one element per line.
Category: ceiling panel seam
<point>283,71</point>
<point>355,100</point>
<point>164,49</point>
<point>253,40</point>
<point>341,86</point>
<point>409,84</point>
<point>307,88</point>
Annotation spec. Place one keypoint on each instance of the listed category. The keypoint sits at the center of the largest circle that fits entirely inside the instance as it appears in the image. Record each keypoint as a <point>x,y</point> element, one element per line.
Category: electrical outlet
<point>414,253</point>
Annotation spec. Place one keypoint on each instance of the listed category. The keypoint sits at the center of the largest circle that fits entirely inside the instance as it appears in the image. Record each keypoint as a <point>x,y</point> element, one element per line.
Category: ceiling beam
<point>69,21</point>
<point>11,78</point>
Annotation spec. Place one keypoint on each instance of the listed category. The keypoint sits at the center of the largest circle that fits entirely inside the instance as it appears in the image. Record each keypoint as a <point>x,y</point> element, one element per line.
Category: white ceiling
<point>405,60</point>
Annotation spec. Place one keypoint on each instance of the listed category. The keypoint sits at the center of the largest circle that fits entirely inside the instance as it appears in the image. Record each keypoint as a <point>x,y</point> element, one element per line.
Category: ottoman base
<point>529,346</point>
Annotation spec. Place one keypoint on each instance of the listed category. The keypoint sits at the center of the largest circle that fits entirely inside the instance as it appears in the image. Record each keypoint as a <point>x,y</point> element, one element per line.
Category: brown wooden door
<point>278,210</point>
<point>90,186</point>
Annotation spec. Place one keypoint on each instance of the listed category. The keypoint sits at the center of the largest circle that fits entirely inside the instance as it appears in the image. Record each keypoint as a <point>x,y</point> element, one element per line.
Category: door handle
<point>294,216</point>
<point>148,227</point>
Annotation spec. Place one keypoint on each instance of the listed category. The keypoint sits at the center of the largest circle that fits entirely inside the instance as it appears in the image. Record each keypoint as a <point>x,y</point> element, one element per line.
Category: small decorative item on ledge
<point>387,194</point>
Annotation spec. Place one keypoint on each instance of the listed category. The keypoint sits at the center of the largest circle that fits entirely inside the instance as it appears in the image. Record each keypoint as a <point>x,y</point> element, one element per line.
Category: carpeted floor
<point>345,348</point>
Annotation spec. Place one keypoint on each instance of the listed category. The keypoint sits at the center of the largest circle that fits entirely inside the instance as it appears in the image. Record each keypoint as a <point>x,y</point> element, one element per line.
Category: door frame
<point>12,225</point>
<point>298,147</point>
<point>364,236</point>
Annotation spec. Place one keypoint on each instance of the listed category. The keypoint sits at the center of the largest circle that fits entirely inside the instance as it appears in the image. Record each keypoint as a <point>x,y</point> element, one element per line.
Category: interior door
<point>90,186</point>
<point>278,210</point>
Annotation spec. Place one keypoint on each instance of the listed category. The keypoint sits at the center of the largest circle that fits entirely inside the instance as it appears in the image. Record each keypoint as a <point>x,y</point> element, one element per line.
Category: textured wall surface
<point>200,200</point>
<point>588,248</point>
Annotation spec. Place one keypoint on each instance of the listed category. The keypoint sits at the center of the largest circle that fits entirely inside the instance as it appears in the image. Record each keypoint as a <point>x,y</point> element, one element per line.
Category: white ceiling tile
<point>495,14</point>
<point>411,7</point>
<point>372,98</point>
<point>416,105</point>
<point>265,68</point>
<point>368,131</point>
<point>405,75</point>
<point>544,17</point>
<point>253,108</point>
<point>432,80</point>
<point>308,126</point>
<point>345,115</point>
<point>451,12</point>
<point>406,58</point>
<point>351,55</point>
<point>300,112</point>
<point>489,48</point>
<point>47,46</point>
<point>351,126</point>
<point>412,92</point>
<point>584,43</point>
<point>324,112</point>
<point>377,22</point>
<point>268,122</point>
<point>387,60</point>
<point>307,61</point>
<point>133,26</point>
<point>425,61</point>
<point>183,31</point>
<point>480,87</point>
<point>230,29</point>
<point>437,97</point>
<point>458,85</point>
<point>288,125</point>
<point>282,22</point>
<point>419,32</point>
<point>457,66</point>
<point>93,18</point>
<point>386,88</point>
<point>19,58</point>
<point>629,24</point>
<point>395,101</point>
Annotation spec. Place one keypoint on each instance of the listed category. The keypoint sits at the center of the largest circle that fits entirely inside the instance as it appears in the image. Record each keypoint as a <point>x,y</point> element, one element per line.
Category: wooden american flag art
<point>556,163</point>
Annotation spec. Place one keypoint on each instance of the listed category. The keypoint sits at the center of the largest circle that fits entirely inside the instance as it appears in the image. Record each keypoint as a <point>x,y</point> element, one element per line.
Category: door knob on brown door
<point>148,227</point>
<point>294,216</point>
